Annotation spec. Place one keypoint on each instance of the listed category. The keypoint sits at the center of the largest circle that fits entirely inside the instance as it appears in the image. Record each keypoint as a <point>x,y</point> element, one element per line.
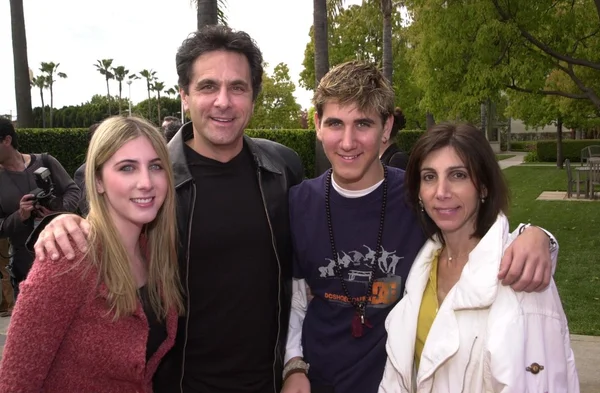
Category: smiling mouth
<point>142,200</point>
<point>222,119</point>
<point>349,158</point>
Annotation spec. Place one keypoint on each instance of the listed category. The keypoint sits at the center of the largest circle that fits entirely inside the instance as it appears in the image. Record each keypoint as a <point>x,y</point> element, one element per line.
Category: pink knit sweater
<point>61,339</point>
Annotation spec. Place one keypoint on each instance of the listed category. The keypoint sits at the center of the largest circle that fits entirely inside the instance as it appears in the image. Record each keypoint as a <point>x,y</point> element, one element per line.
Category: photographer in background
<point>32,186</point>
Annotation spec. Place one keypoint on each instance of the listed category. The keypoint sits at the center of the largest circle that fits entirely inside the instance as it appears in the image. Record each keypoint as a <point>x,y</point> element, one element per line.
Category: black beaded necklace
<point>360,306</point>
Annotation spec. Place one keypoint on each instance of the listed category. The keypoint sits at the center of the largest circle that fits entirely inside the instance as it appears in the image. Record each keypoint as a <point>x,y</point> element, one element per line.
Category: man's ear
<point>318,126</point>
<point>387,127</point>
<point>184,99</point>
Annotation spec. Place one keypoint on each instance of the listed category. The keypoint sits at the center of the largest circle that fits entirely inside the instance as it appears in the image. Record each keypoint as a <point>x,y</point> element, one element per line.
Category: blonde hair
<point>106,252</point>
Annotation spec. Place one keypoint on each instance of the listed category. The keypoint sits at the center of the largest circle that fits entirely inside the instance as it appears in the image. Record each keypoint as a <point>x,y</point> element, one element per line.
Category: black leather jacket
<point>278,168</point>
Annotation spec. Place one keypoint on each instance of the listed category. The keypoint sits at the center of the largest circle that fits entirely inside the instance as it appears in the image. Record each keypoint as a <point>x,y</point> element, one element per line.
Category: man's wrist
<point>295,366</point>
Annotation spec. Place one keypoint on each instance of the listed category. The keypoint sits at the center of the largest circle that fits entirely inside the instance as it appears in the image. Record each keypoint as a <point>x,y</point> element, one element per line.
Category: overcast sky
<point>139,34</point>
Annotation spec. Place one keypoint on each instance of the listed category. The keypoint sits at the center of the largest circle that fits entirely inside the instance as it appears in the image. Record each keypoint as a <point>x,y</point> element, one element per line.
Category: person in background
<point>104,322</point>
<point>390,153</point>
<point>171,129</point>
<point>458,329</point>
<point>79,177</point>
<point>20,210</point>
<point>8,299</point>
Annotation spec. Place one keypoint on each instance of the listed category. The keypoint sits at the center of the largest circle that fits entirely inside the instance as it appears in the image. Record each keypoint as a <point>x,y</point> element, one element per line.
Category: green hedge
<point>524,146</point>
<point>546,150</point>
<point>69,146</point>
<point>302,141</point>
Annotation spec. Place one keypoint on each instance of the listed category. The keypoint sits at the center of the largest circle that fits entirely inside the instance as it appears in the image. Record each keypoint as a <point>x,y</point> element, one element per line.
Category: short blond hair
<point>356,82</point>
<point>107,252</point>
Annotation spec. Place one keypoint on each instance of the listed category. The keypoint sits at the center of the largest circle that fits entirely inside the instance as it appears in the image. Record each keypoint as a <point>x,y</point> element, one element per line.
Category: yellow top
<point>428,310</point>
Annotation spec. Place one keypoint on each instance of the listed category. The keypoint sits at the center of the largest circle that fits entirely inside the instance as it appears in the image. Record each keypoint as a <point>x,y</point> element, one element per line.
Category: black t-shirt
<point>157,332</point>
<point>232,277</point>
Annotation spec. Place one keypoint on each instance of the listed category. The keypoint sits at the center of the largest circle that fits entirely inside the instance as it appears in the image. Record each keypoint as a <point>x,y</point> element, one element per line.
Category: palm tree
<point>21,65</point>
<point>50,69</point>
<point>104,66</point>
<point>150,77</point>
<point>386,10</point>
<point>158,87</point>
<point>120,73</point>
<point>210,12</point>
<point>41,82</point>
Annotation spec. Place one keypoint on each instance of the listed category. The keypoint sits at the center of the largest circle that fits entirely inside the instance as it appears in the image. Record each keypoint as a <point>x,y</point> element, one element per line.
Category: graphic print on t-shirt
<point>356,270</point>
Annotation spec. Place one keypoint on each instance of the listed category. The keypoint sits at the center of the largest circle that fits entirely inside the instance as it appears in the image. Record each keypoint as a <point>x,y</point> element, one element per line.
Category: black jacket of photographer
<point>13,186</point>
<point>278,169</point>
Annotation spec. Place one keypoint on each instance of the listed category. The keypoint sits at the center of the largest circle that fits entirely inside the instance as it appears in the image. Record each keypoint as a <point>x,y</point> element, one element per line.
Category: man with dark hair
<point>20,210</point>
<point>169,119</point>
<point>355,239</point>
<point>79,176</point>
<point>235,251</point>
<point>390,153</point>
<point>171,128</point>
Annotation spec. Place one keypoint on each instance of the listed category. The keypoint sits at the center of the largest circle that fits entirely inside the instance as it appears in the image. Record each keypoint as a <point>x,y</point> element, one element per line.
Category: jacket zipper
<point>262,194</point>
<point>468,363</point>
<point>187,286</point>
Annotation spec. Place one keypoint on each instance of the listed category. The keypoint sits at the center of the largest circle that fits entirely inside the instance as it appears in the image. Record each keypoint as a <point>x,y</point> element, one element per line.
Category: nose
<point>443,189</point>
<point>144,180</point>
<point>348,140</point>
<point>222,100</point>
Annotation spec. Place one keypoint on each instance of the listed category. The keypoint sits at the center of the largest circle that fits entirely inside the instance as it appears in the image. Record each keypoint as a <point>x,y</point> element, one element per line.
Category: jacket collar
<point>181,170</point>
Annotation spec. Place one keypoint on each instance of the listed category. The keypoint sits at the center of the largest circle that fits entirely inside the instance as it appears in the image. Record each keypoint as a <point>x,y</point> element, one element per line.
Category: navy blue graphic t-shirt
<point>337,358</point>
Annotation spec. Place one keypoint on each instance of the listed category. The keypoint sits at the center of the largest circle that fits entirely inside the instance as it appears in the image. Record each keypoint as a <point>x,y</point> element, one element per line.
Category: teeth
<point>349,157</point>
<point>142,200</point>
<point>221,119</point>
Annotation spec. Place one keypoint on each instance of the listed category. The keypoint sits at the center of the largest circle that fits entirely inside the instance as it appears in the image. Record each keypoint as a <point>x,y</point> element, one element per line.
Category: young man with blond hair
<point>355,240</point>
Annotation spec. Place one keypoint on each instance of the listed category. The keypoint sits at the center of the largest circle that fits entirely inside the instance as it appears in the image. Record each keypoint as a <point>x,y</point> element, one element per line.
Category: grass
<point>576,225</point>
<point>500,157</point>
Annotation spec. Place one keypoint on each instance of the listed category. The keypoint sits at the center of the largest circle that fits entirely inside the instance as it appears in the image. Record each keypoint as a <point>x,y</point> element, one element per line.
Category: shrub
<point>546,150</point>
<point>406,139</point>
<point>532,156</point>
<point>69,146</point>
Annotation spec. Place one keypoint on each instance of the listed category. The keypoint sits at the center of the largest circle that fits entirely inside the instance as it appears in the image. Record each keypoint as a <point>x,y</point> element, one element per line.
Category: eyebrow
<point>130,161</point>
<point>452,168</point>
<point>331,120</point>
<point>209,81</point>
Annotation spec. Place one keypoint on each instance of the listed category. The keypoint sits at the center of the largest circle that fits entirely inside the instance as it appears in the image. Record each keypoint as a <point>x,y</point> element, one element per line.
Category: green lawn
<point>500,157</point>
<point>576,226</point>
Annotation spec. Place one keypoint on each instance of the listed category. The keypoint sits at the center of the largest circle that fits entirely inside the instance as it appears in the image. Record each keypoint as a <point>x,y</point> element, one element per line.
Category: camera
<point>44,193</point>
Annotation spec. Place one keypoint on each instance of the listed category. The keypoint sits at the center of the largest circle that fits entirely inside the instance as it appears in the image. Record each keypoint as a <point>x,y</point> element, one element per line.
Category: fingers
<point>515,265</point>
<point>40,251</point>
<point>525,279</point>
<point>27,198</point>
<point>537,279</point>
<point>75,229</point>
<point>505,263</point>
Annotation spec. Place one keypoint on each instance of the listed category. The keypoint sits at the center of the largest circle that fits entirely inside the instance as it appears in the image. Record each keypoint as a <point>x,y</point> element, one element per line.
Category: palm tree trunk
<point>120,87</point>
<point>386,8</point>
<point>108,96</point>
<point>149,100</point>
<point>21,65</point>
<point>322,164</point>
<point>206,13</point>
<point>51,105</point>
<point>158,93</point>
<point>43,108</point>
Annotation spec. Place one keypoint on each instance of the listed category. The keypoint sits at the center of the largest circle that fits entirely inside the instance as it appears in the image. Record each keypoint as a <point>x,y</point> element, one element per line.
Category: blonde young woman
<point>457,329</point>
<point>103,324</point>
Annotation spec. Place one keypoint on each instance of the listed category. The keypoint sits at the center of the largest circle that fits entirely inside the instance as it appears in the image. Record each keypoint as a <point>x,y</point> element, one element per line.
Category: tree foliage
<point>469,51</point>
<point>276,106</point>
<point>356,32</point>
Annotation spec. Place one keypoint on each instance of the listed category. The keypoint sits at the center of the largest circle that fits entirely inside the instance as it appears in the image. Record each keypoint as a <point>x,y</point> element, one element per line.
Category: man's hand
<point>26,206</point>
<point>43,211</point>
<point>57,233</point>
<point>527,265</point>
<point>296,383</point>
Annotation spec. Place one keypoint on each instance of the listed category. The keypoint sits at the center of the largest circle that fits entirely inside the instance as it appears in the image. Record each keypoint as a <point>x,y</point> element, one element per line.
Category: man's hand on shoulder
<point>527,264</point>
<point>58,234</point>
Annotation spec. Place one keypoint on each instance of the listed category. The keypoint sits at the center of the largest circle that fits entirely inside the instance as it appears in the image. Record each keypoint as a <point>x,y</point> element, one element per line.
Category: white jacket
<point>485,337</point>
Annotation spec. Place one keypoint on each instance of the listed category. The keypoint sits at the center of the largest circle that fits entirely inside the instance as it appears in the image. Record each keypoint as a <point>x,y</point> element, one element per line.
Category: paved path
<point>516,160</point>
<point>586,348</point>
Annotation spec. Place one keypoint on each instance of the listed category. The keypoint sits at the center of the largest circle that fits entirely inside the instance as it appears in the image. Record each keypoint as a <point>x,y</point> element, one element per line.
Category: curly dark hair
<point>214,38</point>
